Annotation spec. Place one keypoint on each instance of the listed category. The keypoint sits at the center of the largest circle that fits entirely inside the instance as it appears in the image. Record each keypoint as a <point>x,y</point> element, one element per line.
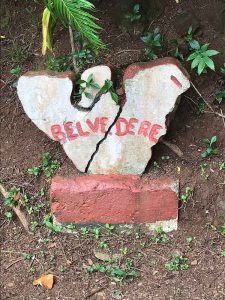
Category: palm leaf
<point>75,13</point>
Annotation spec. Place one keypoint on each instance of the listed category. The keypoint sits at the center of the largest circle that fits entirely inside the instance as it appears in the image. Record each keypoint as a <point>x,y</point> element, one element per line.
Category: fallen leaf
<point>51,245</point>
<point>102,256</point>
<point>17,196</point>
<point>90,262</point>
<point>45,280</point>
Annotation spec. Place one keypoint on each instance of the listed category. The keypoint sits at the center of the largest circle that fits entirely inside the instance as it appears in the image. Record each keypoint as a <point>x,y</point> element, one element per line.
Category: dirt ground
<point>200,237</point>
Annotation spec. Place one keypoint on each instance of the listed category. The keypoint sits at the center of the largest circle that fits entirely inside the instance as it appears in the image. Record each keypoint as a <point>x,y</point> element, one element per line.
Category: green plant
<point>12,197</point>
<point>220,97</point>
<point>34,225</point>
<point>97,233</point>
<point>222,166</point>
<point>189,240</point>
<point>176,51</point>
<point>188,193</point>
<point>9,215</point>
<point>153,42</point>
<point>108,87</point>
<point>201,58</point>
<point>33,171</point>
<point>210,147</point>
<point>71,13</point>
<point>159,236</point>
<point>222,229</point>
<point>178,262</point>
<point>203,167</point>
<point>87,84</point>
<point>194,44</point>
<point>134,15</point>
<point>49,166</point>
<point>124,250</point>
<point>165,157</point>
<point>104,245</point>
<point>16,71</point>
<point>85,231</point>
<point>222,253</point>
<point>61,64</point>
<point>109,227</point>
<point>49,223</point>
<point>31,270</point>
<point>28,256</point>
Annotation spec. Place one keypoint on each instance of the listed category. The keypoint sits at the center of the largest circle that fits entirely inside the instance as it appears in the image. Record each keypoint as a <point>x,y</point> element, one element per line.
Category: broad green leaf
<point>204,47</point>
<point>192,56</point>
<point>201,66</point>
<point>195,62</point>
<point>211,52</point>
<point>115,97</point>
<point>213,139</point>
<point>209,63</point>
<point>194,44</point>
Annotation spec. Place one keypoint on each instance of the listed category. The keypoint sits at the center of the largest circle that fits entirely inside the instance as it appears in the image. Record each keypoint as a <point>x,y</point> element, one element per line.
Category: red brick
<point>113,199</point>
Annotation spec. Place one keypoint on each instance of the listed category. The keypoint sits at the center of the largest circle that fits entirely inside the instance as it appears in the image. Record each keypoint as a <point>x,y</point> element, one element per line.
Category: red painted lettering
<point>57,133</point>
<point>80,130</point>
<point>131,126</point>
<point>69,131</point>
<point>103,123</point>
<point>144,128</point>
<point>119,130</point>
<point>154,131</point>
<point>93,126</point>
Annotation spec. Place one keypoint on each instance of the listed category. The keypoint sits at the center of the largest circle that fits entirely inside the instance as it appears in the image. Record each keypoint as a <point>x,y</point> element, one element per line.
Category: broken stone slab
<point>152,90</point>
<point>46,99</point>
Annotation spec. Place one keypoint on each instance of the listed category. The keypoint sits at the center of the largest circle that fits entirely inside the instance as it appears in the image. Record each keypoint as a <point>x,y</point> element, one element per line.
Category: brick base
<point>115,199</point>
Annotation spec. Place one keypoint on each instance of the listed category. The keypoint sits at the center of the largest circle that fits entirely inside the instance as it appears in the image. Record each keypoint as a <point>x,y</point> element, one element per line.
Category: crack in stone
<point>103,139</point>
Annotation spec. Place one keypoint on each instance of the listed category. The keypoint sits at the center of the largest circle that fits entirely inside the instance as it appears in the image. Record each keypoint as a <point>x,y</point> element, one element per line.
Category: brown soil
<point>67,255</point>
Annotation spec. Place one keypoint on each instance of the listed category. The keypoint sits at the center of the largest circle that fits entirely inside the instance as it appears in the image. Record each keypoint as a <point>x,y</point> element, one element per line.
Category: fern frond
<point>75,13</point>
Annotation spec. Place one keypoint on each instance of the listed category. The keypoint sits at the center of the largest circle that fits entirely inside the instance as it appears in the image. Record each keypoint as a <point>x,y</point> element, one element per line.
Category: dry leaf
<point>45,280</point>
<point>17,196</point>
<point>102,256</point>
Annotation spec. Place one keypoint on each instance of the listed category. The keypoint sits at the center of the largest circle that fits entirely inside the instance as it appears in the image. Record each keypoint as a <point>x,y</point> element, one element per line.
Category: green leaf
<point>115,97</point>
<point>208,61</point>
<point>194,44</point>
<point>95,85</point>
<point>211,52</point>
<point>90,78</point>
<point>136,8</point>
<point>195,62</point>
<point>192,56</point>
<point>204,47</point>
<point>201,66</point>
<point>80,81</point>
<point>213,139</point>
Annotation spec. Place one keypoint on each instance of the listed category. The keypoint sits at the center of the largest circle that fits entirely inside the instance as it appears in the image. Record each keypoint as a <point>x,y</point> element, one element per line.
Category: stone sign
<point>108,139</point>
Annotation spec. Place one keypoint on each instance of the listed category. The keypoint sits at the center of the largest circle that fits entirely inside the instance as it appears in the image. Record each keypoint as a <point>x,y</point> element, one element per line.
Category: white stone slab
<point>45,97</point>
<point>152,91</point>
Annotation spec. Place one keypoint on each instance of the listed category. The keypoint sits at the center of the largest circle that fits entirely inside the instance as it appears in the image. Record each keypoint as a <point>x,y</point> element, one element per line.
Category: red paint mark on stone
<point>144,128</point>
<point>113,199</point>
<point>69,131</point>
<point>103,124</point>
<point>133,69</point>
<point>93,126</point>
<point>154,131</point>
<point>57,133</point>
<point>176,81</point>
<point>80,130</point>
<point>121,127</point>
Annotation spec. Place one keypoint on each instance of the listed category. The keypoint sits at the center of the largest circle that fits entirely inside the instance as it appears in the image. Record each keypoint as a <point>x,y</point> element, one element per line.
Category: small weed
<point>159,236</point>
<point>194,44</point>
<point>62,269</point>
<point>12,197</point>
<point>165,157</point>
<point>85,231</point>
<point>189,240</point>
<point>8,215</point>
<point>34,225</point>
<point>153,42</point>
<point>97,233</point>
<point>108,87</point>
<point>58,65</point>
<point>31,270</point>
<point>200,108</point>
<point>220,97</point>
<point>104,245</point>
<point>156,165</point>
<point>87,84</point>
<point>222,166</point>
<point>109,227</point>
<point>52,227</point>
<point>210,147</point>
<point>222,253</point>
<point>203,167</point>
<point>134,15</point>
<point>177,263</point>
<point>201,59</point>
<point>124,250</point>
<point>16,71</point>
<point>222,229</point>
<point>33,171</point>
<point>188,193</point>
<point>71,226</point>
<point>28,256</point>
<point>49,166</point>
<point>176,52</point>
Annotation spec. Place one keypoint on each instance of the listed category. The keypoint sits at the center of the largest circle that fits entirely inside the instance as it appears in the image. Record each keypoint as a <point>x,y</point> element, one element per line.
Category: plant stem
<point>73,49</point>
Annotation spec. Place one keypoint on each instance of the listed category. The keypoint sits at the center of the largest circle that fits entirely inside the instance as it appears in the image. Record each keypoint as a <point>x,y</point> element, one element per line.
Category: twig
<point>95,292</point>
<point>13,263</point>
<point>128,50</point>
<point>21,216</point>
<point>173,147</point>
<point>222,118</point>
<point>73,48</point>
<point>215,113</point>
<point>200,95</point>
